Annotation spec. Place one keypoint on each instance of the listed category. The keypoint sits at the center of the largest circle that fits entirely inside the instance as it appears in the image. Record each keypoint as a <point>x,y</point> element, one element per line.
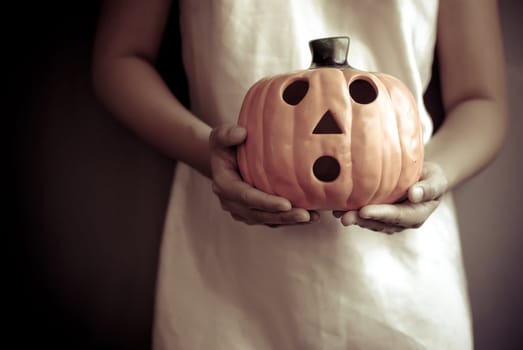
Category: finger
<point>314,215</point>
<point>378,226</point>
<point>283,225</point>
<point>239,192</point>
<point>292,217</point>
<point>426,190</point>
<point>348,218</point>
<point>432,185</point>
<point>416,193</point>
<point>228,184</point>
<point>222,156</point>
<point>352,218</point>
<point>338,213</point>
<point>242,219</point>
<point>227,136</point>
<point>406,214</point>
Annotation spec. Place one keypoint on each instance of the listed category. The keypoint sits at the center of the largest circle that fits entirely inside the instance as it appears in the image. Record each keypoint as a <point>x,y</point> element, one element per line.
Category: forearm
<point>473,85</point>
<point>469,139</point>
<point>134,92</point>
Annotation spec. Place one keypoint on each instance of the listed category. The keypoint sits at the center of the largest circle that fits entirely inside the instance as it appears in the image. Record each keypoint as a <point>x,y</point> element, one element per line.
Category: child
<point>227,278</point>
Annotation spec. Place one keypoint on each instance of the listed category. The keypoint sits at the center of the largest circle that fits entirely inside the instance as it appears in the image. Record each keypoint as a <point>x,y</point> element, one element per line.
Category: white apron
<point>225,285</point>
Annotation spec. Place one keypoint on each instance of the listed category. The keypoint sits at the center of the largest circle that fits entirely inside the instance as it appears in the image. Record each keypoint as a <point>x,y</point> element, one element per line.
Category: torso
<point>225,285</point>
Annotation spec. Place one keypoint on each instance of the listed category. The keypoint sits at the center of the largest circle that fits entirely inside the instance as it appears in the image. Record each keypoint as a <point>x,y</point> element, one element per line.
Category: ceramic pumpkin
<point>331,137</point>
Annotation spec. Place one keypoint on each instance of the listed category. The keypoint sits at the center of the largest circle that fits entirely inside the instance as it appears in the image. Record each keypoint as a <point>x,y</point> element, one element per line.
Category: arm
<point>125,80</point>
<point>127,43</point>
<point>474,98</point>
<point>473,89</point>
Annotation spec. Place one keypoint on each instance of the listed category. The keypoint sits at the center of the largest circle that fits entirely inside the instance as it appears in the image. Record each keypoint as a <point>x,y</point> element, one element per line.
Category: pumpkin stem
<point>330,52</point>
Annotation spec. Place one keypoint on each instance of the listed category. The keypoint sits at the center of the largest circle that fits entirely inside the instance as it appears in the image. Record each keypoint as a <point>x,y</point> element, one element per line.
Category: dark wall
<point>88,197</point>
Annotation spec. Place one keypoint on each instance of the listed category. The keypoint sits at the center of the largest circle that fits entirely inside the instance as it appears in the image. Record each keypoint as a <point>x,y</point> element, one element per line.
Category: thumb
<point>432,185</point>
<point>416,193</point>
<point>227,136</point>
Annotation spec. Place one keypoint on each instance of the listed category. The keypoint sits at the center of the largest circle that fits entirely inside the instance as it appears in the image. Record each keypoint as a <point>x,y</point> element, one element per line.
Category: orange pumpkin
<point>331,137</point>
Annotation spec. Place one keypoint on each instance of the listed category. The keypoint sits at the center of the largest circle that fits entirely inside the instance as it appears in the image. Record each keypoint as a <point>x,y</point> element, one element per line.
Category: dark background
<point>87,198</point>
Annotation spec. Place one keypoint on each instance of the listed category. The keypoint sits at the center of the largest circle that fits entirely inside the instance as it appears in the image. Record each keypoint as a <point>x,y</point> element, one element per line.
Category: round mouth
<point>326,168</point>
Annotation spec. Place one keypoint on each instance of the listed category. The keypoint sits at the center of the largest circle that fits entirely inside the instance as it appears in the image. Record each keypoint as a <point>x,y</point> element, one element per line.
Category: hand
<point>422,200</point>
<point>244,202</point>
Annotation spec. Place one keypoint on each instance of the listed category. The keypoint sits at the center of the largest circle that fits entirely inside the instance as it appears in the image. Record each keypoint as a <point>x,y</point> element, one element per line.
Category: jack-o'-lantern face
<point>331,138</point>
<point>327,168</point>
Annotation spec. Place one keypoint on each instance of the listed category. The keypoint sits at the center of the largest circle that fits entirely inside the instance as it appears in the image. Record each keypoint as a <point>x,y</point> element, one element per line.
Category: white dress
<point>225,285</point>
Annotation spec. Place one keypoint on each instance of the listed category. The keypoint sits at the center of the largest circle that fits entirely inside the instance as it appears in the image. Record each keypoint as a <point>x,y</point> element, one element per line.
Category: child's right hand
<point>244,202</point>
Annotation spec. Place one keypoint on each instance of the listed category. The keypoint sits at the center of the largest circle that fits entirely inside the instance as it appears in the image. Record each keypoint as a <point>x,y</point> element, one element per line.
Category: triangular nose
<point>327,125</point>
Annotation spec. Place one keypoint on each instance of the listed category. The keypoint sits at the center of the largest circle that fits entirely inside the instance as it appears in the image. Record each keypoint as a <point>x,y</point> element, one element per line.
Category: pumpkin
<point>331,137</point>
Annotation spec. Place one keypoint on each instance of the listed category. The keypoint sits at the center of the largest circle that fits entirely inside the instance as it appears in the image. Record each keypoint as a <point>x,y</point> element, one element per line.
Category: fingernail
<point>238,132</point>
<point>365,216</point>
<point>347,222</point>
<point>348,219</point>
<point>365,213</point>
<point>285,206</point>
<point>314,216</point>
<point>301,217</point>
<point>417,194</point>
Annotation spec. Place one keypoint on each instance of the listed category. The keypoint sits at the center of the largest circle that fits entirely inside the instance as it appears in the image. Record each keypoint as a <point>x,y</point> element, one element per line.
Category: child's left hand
<point>422,200</point>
